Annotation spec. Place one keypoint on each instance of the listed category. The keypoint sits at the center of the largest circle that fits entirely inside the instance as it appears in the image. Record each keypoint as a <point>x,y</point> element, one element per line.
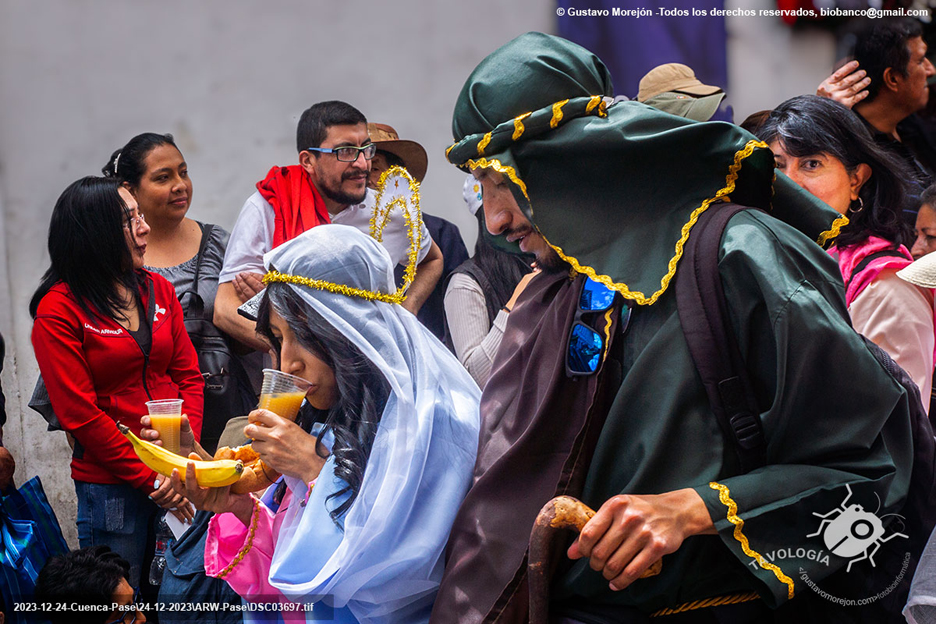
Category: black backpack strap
<point>195,306</point>
<point>206,234</point>
<point>703,314</point>
<point>884,253</point>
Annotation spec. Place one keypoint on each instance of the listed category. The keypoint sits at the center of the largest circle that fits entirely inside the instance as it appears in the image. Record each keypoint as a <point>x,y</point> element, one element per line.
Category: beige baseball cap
<point>673,88</point>
<point>672,77</point>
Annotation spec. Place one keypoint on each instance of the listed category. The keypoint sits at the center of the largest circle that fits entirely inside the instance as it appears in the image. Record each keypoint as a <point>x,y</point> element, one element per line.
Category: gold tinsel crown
<point>389,195</point>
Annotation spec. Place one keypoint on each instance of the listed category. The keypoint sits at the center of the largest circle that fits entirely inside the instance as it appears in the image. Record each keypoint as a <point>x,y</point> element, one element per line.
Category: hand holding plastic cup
<point>166,418</point>
<point>282,393</point>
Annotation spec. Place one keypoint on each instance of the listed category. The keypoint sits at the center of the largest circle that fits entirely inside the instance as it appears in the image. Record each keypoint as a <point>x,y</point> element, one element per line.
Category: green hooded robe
<point>615,188</point>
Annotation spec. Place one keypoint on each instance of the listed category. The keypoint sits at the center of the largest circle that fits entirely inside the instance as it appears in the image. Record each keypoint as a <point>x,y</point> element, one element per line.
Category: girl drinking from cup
<point>362,514</point>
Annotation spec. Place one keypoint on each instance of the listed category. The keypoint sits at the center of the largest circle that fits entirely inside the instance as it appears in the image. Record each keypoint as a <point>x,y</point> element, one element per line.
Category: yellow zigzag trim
<point>607,332</point>
<point>557,113</point>
<point>518,126</point>
<point>449,149</point>
<point>725,497</point>
<point>722,195</point>
<point>832,232</point>
<point>592,103</point>
<point>496,165</point>
<point>483,143</point>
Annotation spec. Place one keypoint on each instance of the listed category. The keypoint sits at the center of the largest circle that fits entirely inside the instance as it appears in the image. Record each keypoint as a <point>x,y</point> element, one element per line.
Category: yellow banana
<point>215,473</point>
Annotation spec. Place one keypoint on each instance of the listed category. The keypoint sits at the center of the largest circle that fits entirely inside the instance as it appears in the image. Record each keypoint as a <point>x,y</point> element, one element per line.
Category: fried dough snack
<point>256,476</point>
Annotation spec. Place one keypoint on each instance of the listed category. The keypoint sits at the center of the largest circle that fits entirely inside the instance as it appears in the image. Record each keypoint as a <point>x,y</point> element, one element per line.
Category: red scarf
<point>296,202</point>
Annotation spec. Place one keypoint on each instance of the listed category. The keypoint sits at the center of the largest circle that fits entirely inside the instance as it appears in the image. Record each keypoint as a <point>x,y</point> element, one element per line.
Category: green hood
<point>615,187</point>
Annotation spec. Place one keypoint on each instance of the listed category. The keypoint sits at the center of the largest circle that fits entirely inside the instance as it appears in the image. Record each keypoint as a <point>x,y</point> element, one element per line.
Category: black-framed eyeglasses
<point>347,153</point>
<point>586,345</point>
<point>130,615</point>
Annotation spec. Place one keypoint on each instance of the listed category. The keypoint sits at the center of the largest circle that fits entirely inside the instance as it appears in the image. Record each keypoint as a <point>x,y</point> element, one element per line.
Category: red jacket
<point>96,375</point>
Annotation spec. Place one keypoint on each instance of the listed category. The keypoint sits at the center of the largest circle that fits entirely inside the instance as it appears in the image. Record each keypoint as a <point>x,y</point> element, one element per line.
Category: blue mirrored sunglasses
<point>586,345</point>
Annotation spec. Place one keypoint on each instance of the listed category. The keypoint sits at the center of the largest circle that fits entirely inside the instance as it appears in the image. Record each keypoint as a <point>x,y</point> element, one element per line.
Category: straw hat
<point>412,154</point>
<point>922,272</point>
<point>673,88</point>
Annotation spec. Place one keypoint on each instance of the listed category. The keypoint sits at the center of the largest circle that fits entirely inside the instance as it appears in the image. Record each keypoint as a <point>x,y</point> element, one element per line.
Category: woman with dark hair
<point>362,515</point>
<point>189,254</point>
<point>108,336</point>
<point>481,293</point>
<point>824,147</point>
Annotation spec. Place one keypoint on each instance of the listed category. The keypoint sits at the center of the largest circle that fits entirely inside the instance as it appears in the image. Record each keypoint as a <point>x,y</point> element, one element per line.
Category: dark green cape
<point>632,176</point>
<point>615,187</point>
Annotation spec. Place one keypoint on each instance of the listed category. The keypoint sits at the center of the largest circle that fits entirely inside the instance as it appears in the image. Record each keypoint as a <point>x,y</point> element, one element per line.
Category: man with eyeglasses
<point>594,392</point>
<point>329,185</point>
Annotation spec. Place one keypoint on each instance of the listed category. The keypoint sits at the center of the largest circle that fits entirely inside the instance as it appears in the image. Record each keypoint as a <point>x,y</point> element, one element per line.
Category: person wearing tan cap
<point>673,88</point>
<point>392,150</point>
<point>329,185</point>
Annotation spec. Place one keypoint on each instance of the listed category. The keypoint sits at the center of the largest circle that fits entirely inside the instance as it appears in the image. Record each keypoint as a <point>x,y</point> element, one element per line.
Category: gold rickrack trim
<point>557,113</point>
<point>725,497</point>
<point>832,232</point>
<point>722,195</point>
<point>597,100</point>
<point>338,289</point>
<point>496,165</point>
<point>593,102</point>
<point>413,220</point>
<point>708,602</point>
<point>483,143</point>
<point>607,331</point>
<point>250,538</point>
<point>518,126</point>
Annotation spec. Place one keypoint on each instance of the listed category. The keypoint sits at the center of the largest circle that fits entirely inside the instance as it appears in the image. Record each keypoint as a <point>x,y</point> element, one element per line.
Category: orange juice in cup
<point>282,394</point>
<point>285,404</point>
<point>166,418</point>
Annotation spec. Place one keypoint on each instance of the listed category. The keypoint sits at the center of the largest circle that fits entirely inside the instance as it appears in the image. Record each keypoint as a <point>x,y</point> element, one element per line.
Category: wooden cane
<point>562,512</point>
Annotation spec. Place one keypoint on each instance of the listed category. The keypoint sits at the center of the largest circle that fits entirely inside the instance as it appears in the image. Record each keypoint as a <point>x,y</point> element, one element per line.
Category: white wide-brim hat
<point>921,272</point>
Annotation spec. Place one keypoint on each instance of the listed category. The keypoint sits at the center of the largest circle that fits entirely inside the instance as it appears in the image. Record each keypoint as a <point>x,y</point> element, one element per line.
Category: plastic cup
<point>282,393</point>
<point>166,418</point>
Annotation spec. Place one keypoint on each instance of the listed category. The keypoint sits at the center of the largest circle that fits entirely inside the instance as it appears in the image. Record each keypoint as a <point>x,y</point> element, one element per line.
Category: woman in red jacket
<point>108,336</point>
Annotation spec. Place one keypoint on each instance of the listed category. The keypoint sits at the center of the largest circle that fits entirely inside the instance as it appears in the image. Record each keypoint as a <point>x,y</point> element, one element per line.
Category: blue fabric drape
<point>29,535</point>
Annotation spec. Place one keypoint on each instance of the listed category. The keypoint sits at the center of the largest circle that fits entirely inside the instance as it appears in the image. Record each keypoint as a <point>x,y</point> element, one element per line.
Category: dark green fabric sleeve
<point>831,414</point>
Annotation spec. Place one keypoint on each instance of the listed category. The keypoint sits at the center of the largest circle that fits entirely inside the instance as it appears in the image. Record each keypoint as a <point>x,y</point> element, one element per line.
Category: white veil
<point>387,563</point>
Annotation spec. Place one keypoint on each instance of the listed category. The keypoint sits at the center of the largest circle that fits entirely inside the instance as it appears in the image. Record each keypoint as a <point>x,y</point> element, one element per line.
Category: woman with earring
<point>108,337</point>
<point>824,147</point>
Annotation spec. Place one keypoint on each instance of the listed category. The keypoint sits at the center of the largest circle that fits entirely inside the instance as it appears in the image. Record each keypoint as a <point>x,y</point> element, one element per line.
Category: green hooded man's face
<point>503,216</point>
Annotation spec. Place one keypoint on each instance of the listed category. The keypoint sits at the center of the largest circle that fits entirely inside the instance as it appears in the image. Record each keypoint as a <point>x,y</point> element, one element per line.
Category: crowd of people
<point>765,464</point>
